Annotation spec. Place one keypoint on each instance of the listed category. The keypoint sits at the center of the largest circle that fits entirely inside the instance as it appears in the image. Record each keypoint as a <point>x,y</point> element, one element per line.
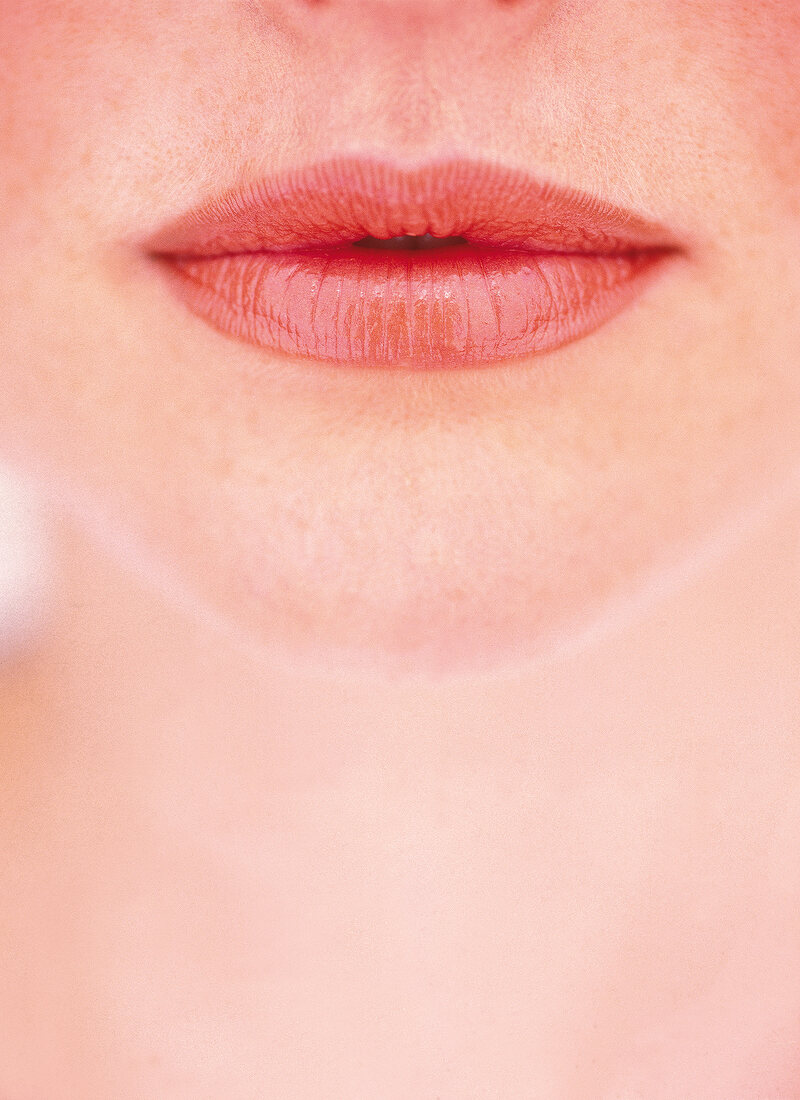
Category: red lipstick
<point>455,263</point>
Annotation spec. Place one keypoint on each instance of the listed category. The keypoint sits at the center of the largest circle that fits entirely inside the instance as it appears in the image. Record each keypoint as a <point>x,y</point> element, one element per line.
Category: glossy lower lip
<point>275,263</point>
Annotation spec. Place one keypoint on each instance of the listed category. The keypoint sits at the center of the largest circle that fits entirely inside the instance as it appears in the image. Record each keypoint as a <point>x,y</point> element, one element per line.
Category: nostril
<point>410,243</point>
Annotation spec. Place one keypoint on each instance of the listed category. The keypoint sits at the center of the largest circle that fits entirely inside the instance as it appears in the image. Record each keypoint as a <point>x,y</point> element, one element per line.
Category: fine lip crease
<point>344,199</point>
<point>274,262</point>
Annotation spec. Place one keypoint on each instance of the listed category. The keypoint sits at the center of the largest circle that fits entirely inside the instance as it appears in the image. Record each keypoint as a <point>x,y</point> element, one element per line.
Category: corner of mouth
<point>449,264</point>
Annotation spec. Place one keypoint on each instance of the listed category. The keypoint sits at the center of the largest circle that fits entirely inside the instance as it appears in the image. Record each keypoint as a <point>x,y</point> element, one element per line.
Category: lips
<point>456,263</point>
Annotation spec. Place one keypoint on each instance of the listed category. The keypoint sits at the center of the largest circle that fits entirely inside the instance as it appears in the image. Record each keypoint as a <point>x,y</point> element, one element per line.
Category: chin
<point>406,612</point>
<point>455,598</point>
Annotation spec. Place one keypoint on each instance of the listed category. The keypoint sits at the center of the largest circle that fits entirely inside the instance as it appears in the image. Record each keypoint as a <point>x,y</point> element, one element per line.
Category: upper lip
<point>345,199</point>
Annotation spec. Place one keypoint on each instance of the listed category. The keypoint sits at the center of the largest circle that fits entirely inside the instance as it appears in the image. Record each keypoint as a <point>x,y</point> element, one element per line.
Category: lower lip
<point>451,306</point>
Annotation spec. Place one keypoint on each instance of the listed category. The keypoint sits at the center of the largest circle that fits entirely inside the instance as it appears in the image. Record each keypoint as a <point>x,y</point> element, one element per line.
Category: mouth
<point>454,264</point>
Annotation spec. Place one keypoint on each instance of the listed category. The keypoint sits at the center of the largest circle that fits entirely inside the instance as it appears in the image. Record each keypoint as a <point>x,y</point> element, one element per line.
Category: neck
<point>719,653</point>
<point>652,776</point>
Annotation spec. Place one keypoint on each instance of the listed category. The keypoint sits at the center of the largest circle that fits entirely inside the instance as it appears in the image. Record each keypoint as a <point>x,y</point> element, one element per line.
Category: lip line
<point>411,255</point>
<point>344,199</point>
<point>274,262</point>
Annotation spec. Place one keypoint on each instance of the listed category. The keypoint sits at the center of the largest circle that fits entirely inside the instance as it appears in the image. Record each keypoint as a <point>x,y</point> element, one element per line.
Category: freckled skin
<point>667,124</point>
<point>460,522</point>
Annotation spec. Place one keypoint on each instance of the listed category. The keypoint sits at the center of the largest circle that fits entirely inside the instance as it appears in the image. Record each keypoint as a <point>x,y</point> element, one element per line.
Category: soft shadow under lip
<point>294,264</point>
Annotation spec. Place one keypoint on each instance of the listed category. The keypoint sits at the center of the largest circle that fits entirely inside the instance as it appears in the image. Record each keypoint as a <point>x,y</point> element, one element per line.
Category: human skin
<point>403,523</point>
<point>389,525</point>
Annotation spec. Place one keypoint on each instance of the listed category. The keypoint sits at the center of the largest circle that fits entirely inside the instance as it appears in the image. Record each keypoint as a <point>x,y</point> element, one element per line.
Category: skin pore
<point>309,788</point>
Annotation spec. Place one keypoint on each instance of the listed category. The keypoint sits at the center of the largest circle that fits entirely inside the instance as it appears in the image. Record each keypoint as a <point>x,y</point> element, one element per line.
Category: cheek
<point>762,76</point>
<point>55,142</point>
<point>133,104</point>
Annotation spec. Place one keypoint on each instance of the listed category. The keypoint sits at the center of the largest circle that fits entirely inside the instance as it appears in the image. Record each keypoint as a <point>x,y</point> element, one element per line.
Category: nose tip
<point>404,20</point>
<point>409,13</point>
<point>401,8</point>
